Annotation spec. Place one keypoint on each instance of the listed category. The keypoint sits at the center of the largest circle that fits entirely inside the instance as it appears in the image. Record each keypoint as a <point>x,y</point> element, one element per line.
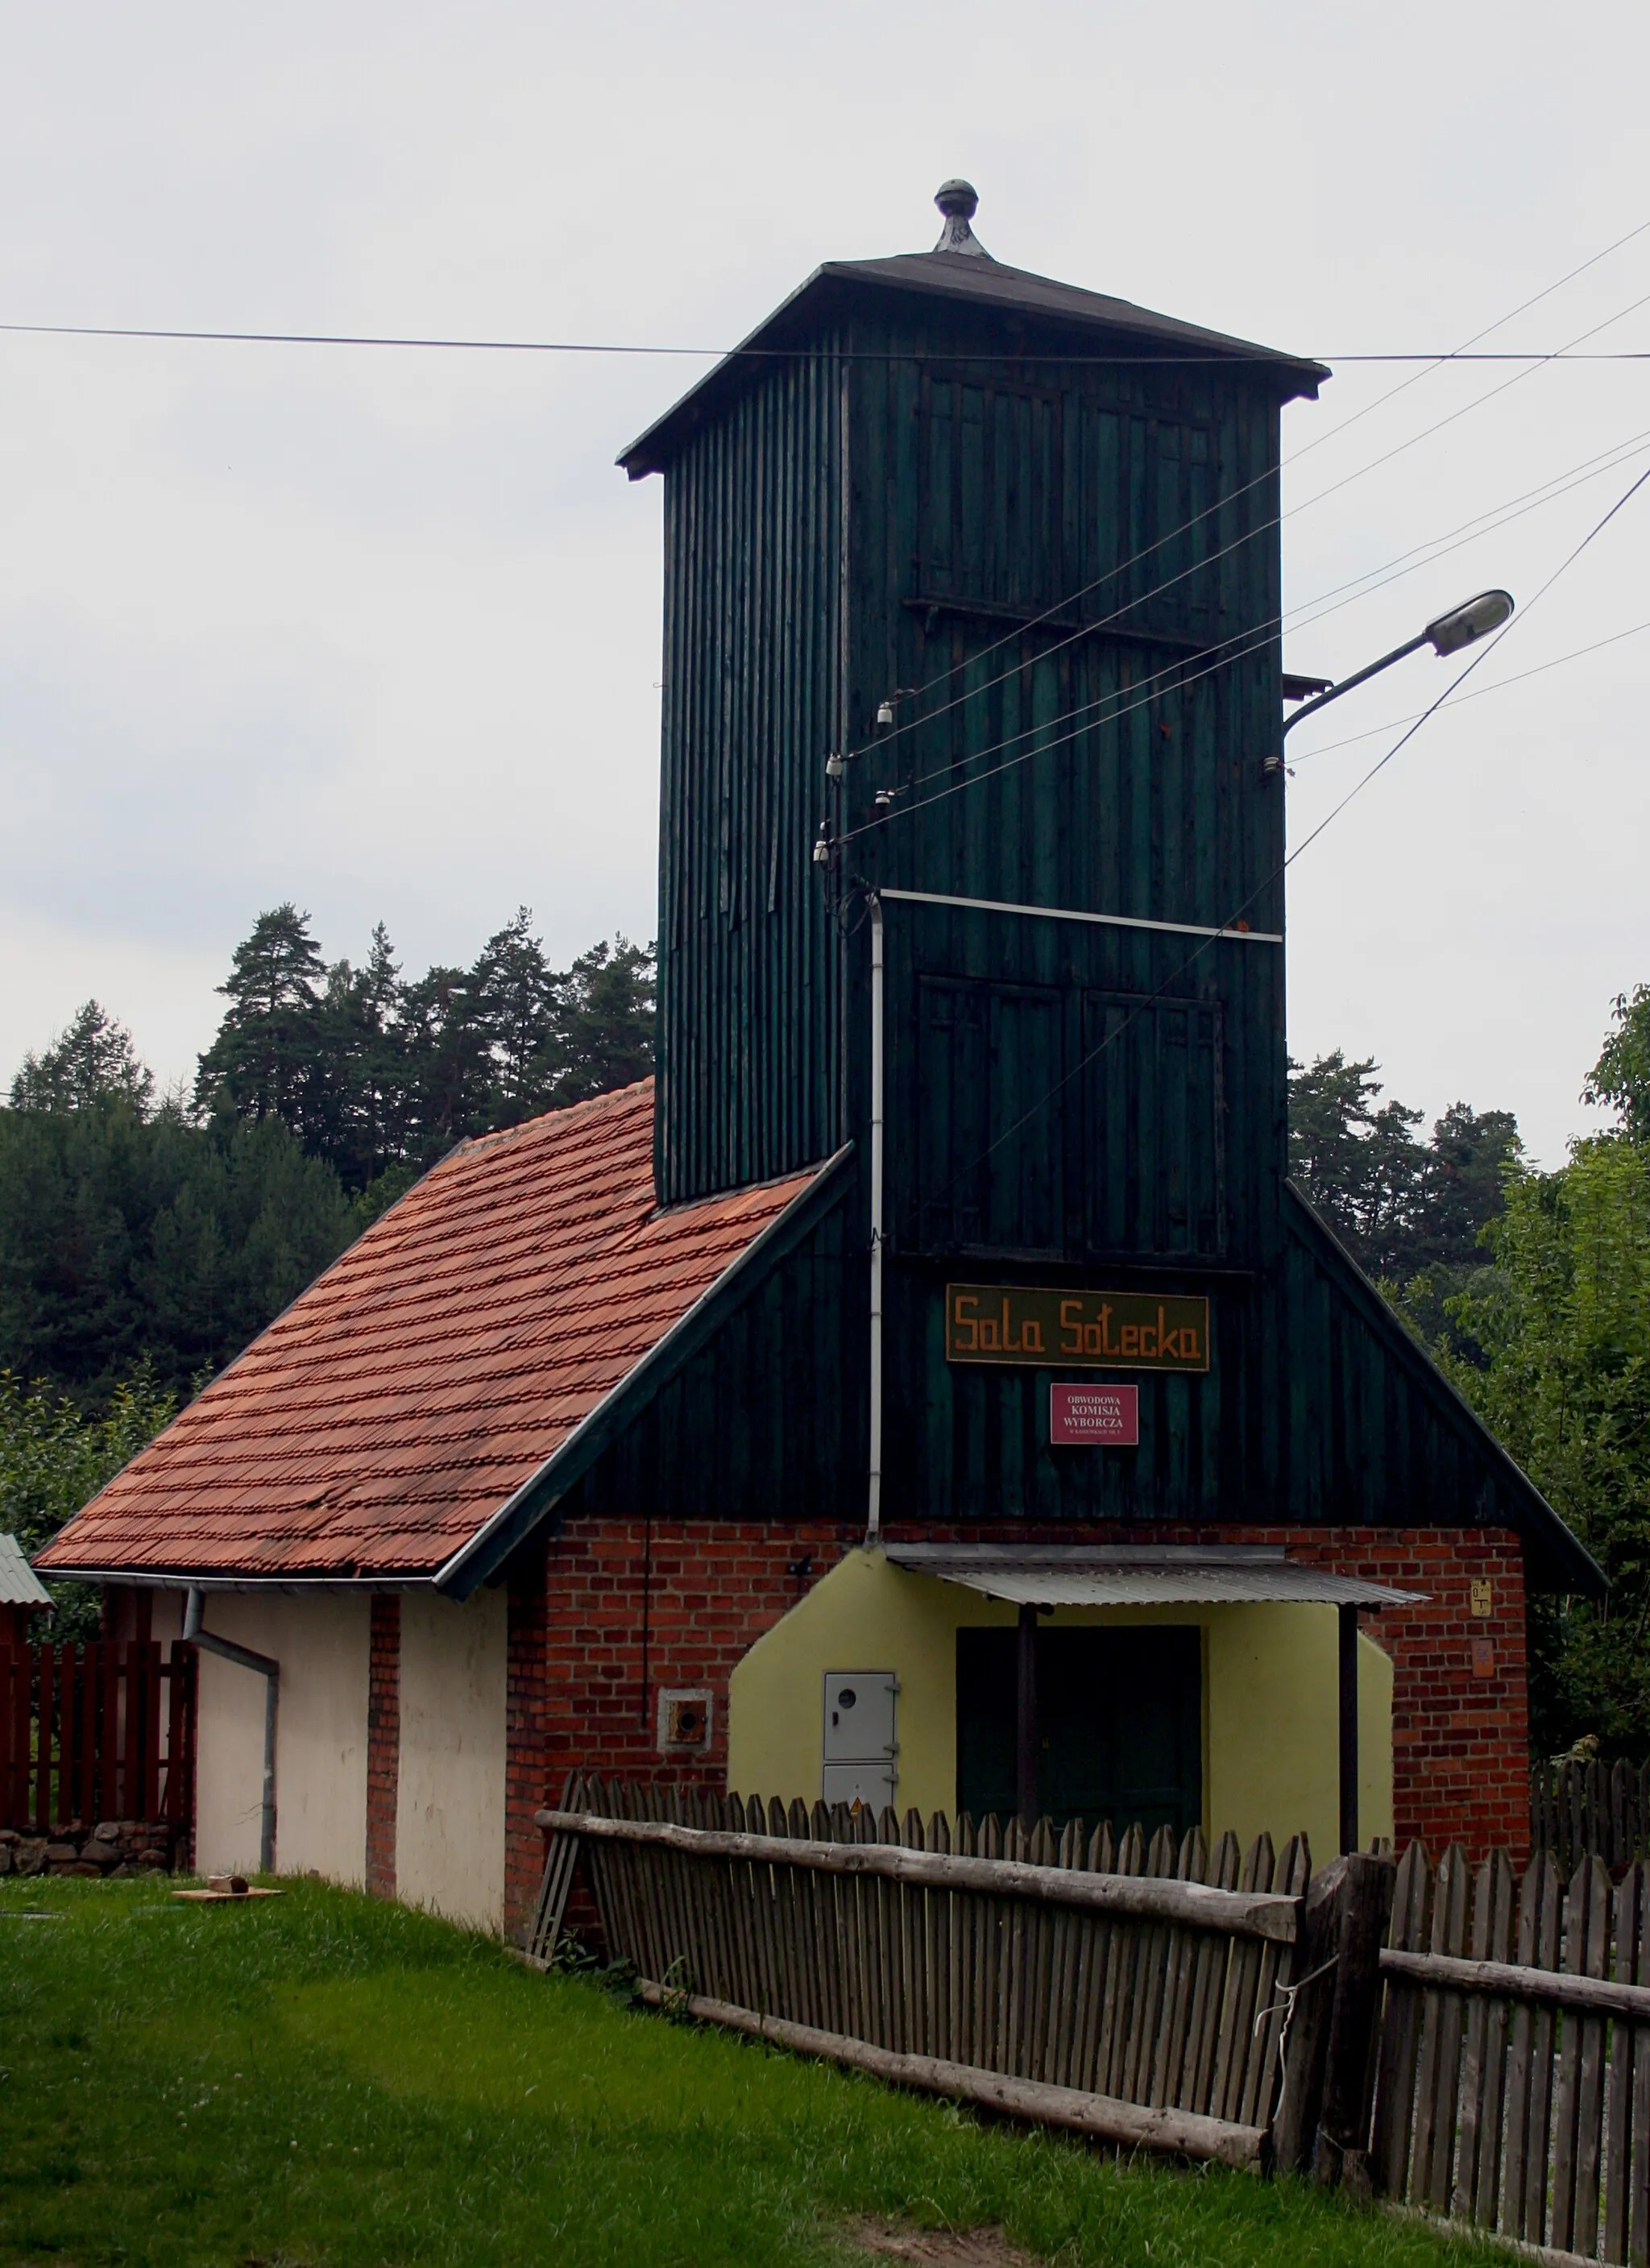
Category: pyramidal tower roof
<point>1049,317</point>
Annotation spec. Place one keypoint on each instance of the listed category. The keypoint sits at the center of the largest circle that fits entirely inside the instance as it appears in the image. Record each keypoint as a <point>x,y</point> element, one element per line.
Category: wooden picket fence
<point>1513,2089</point>
<point>93,1732</point>
<point>1142,1992</point>
<point>1591,1810</point>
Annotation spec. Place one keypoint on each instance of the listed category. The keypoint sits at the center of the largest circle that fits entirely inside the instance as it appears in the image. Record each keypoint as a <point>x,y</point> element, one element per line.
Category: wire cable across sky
<point>1242,912</point>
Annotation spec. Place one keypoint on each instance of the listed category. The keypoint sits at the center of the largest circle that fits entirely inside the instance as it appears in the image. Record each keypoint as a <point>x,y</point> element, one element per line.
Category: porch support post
<point>1348,1667</point>
<point>1025,1742</point>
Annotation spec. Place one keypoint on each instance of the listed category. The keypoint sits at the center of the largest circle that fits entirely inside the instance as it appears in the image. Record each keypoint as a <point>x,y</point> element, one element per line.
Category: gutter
<point>873,1490</point>
<point>269,1670</point>
<point>180,1579</point>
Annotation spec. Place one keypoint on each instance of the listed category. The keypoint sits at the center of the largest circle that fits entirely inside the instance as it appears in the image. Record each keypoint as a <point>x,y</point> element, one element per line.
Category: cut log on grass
<point>226,1897</point>
<point>1101,2116</point>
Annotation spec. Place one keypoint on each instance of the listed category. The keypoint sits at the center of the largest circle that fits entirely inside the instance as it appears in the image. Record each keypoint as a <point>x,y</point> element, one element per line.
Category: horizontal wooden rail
<point>1235,1913</point>
<point>1104,2116</point>
<point>1503,1980</point>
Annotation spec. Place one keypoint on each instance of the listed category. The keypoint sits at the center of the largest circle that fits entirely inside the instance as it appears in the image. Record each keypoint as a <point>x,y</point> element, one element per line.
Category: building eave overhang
<point>218,1578</point>
<point>481,1556</point>
<point>1562,1561</point>
<point>1049,310</point>
<point>1107,1575</point>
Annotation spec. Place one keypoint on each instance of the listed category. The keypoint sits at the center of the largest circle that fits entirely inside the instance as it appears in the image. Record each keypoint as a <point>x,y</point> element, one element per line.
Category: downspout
<point>269,1670</point>
<point>873,1491</point>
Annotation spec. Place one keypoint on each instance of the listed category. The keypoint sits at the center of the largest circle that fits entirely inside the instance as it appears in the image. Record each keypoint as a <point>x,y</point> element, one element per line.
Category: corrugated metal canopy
<point>19,1585</point>
<point>1121,1575</point>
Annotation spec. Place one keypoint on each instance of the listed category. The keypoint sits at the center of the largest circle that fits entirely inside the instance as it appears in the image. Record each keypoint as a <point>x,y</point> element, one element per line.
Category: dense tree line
<point>166,1232</point>
<point>1402,1205</point>
<point>143,1240</point>
<point>55,1457</point>
<point>1550,1342</point>
<point>1412,1212</point>
<point>1533,1290</point>
<point>379,1077</point>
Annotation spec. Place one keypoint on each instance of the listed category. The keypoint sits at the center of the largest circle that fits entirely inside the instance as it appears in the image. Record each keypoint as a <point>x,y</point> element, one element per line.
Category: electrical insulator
<point>822,848</point>
<point>834,766</point>
<point>884,712</point>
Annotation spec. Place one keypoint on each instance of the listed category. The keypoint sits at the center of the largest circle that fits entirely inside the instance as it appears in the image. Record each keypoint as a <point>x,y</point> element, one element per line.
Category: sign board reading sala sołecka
<point>1064,1331</point>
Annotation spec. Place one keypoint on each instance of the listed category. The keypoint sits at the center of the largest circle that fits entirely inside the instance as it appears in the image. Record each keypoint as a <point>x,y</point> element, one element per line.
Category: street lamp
<point>1460,627</point>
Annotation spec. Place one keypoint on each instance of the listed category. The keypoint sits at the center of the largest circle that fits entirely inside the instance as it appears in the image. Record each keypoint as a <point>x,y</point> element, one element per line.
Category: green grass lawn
<point>324,2079</point>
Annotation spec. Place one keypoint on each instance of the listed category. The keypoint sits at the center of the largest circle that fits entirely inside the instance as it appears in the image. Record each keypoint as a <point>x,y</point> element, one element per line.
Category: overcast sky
<point>378,630</point>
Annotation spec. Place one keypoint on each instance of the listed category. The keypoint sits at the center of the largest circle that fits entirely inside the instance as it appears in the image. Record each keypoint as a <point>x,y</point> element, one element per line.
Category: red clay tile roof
<point>395,1406</point>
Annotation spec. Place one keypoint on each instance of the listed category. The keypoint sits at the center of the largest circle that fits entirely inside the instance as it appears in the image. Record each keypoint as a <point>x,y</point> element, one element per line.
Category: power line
<point>1576,653</point>
<point>1530,499</point>
<point>1301,848</point>
<point>1111,573</point>
<point>1083,719</point>
<point>1210,357</point>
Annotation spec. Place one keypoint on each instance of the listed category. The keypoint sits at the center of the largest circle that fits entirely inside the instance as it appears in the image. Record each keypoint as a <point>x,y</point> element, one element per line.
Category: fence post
<point>1342,2154</point>
<point>1306,2030</point>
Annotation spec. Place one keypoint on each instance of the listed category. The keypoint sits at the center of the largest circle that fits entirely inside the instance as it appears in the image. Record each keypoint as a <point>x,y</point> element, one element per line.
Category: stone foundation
<point>113,1847</point>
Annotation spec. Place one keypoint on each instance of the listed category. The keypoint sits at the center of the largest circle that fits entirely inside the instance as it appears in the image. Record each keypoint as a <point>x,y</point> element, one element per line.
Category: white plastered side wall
<point>320,1640</point>
<point>450,1808</point>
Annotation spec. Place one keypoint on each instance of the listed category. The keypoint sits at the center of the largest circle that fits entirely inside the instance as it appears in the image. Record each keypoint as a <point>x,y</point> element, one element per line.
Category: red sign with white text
<point>1094,1416</point>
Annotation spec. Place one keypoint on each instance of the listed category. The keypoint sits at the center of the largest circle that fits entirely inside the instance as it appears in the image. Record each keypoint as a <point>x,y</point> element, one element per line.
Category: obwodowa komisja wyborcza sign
<point>1076,1330</point>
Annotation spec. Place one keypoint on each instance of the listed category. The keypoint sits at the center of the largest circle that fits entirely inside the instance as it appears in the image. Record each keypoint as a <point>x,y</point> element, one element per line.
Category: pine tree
<point>265,1059</point>
<point>93,1061</point>
<point>607,1017</point>
<point>518,999</point>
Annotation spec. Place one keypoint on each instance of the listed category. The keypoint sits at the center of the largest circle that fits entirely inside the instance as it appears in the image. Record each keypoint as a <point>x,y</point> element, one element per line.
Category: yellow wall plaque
<point>1075,1330</point>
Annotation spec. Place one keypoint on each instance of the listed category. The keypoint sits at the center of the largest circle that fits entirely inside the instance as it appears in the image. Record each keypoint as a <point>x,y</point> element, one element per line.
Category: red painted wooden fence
<point>104,1731</point>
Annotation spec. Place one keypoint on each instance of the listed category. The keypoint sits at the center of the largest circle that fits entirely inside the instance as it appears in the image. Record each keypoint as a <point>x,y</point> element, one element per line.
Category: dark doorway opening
<point>1119,1729</point>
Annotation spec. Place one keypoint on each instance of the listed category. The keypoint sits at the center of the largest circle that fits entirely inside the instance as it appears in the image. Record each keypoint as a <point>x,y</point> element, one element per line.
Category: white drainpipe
<point>874,1492</point>
<point>269,1670</point>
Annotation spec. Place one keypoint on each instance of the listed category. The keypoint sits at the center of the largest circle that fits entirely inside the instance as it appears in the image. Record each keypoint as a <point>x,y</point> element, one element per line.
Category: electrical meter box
<point>859,1714</point>
<point>867,1784</point>
<point>860,1759</point>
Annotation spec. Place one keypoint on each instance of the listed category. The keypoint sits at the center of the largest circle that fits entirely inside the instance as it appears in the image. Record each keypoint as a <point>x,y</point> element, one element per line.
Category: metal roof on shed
<point>1101,1575</point>
<point>19,1585</point>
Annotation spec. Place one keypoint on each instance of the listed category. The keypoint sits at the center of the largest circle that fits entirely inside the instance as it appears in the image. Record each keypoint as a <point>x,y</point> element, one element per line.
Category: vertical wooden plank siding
<point>749,977</point>
<point>1540,2131</point>
<point>87,1736</point>
<point>1169,2017</point>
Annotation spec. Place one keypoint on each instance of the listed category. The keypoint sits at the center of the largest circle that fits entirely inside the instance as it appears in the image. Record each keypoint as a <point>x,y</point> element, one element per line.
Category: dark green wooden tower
<point>1041,526</point>
<point>1037,506</point>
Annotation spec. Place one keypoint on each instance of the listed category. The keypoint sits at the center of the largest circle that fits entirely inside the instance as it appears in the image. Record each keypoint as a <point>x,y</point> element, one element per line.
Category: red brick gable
<point>397,1403</point>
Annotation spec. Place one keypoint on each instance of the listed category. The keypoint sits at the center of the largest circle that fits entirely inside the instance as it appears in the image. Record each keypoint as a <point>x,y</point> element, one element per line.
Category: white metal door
<point>859,1715</point>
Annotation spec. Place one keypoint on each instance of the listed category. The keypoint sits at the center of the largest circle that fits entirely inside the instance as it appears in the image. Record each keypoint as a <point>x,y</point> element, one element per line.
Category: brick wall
<point>1460,1696</point>
<point>694,1596</point>
<point>526,1762</point>
<point>383,1741</point>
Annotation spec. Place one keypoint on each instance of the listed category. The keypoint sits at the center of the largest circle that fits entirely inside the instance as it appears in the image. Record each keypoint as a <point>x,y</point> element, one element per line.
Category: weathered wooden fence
<point>1514,2065</point>
<point>1591,1810</point>
<point>1148,1994</point>
<point>92,1733</point>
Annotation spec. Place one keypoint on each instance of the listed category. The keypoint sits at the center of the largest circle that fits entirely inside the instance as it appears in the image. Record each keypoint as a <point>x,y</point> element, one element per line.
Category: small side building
<point>22,1594</point>
<point>930,1389</point>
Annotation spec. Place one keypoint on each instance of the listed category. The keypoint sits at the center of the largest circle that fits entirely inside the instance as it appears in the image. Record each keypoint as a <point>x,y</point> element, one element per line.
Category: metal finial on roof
<point>959,202</point>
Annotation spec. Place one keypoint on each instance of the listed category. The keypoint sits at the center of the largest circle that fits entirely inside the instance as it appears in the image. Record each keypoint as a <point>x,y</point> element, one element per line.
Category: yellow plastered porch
<point>1269,1694</point>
